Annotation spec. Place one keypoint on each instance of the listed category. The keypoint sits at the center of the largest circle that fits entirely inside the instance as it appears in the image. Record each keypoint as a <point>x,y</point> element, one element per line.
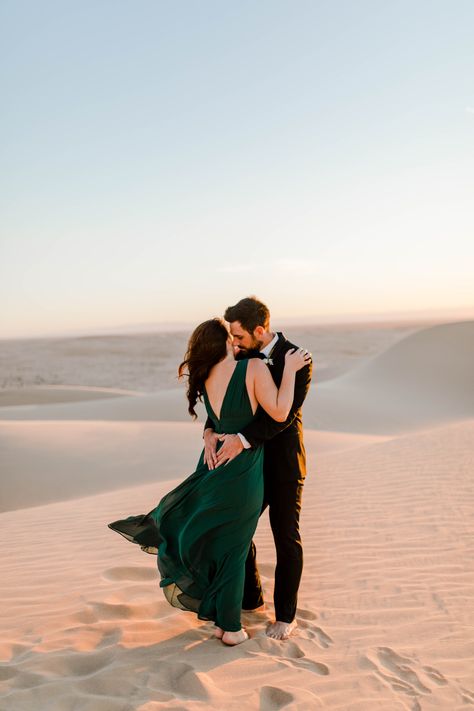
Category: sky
<point>162,160</point>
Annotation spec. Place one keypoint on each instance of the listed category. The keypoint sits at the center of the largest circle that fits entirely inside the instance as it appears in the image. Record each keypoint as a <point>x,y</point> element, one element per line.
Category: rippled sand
<point>385,612</point>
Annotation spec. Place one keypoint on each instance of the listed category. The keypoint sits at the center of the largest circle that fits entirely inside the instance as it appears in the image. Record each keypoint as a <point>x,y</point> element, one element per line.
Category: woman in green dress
<point>202,529</point>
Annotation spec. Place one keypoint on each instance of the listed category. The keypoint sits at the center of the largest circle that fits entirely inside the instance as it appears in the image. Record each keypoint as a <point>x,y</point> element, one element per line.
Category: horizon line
<point>342,319</point>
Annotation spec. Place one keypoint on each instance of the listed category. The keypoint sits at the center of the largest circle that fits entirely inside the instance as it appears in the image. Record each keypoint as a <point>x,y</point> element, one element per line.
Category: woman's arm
<point>263,428</point>
<point>277,402</point>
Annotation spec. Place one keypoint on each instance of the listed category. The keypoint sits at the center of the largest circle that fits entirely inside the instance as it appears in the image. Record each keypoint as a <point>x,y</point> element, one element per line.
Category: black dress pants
<point>284,502</point>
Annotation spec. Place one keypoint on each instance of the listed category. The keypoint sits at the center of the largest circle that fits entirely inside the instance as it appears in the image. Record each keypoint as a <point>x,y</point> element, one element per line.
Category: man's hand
<point>231,448</point>
<point>210,446</point>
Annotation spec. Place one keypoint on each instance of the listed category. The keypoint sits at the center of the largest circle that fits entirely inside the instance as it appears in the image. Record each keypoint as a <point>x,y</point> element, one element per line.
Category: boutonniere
<point>268,361</point>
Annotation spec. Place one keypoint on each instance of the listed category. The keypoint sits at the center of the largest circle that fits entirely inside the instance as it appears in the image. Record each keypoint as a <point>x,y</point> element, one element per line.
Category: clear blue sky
<point>160,160</point>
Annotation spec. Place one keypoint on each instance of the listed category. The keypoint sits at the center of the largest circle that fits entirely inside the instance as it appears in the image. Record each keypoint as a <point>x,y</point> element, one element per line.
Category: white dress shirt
<point>270,346</point>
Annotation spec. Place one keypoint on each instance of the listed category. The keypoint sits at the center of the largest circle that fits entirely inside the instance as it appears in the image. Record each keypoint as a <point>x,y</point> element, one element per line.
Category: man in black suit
<point>284,462</point>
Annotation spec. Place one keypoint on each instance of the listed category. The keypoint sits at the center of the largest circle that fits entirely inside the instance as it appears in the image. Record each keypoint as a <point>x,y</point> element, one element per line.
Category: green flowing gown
<point>203,528</point>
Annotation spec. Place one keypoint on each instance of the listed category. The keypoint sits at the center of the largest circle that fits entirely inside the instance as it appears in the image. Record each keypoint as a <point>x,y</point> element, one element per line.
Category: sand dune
<point>147,362</point>
<point>54,461</point>
<point>384,614</point>
<point>162,406</point>
<point>424,379</point>
<point>49,394</point>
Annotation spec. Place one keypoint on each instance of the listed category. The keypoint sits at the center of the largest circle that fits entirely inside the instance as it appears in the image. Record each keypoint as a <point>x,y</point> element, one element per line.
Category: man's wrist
<point>245,443</point>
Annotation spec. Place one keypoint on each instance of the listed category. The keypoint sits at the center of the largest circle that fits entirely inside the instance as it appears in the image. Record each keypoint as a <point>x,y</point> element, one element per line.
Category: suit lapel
<point>279,349</point>
<point>278,359</point>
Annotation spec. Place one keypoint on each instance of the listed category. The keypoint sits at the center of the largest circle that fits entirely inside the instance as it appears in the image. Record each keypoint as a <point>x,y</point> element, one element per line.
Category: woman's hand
<point>277,402</point>
<point>297,358</point>
<point>231,448</point>
<point>210,446</point>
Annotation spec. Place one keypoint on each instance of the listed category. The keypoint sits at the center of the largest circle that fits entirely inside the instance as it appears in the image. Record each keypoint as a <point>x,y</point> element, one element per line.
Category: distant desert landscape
<point>96,428</point>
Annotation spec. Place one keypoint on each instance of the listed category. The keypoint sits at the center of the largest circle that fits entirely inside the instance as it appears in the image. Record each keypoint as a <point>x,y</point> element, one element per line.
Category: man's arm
<point>263,427</point>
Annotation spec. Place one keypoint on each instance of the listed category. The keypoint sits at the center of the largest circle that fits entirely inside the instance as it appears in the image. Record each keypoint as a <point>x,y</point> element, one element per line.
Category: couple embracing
<point>253,383</point>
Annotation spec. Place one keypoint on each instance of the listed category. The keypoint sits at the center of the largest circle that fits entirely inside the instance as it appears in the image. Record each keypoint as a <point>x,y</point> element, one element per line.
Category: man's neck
<point>267,338</point>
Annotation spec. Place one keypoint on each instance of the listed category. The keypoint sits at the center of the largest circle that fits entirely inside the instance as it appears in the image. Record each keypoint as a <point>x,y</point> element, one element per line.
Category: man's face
<point>243,340</point>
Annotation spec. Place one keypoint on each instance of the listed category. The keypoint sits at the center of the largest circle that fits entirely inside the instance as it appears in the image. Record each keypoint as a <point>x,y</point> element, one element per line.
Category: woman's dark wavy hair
<point>206,347</point>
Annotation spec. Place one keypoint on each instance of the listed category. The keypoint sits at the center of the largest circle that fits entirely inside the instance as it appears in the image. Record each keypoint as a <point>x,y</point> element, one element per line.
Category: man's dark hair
<point>250,312</point>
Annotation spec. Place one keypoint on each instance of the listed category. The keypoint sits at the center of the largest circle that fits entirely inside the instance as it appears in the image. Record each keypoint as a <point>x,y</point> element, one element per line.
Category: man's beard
<point>255,345</point>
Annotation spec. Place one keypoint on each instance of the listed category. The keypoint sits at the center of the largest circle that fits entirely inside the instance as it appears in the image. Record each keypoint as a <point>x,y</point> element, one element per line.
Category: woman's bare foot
<point>233,638</point>
<point>218,632</point>
<point>281,630</point>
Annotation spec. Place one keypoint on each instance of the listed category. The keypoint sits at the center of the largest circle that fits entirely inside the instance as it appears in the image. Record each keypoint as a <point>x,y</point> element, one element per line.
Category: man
<point>284,462</point>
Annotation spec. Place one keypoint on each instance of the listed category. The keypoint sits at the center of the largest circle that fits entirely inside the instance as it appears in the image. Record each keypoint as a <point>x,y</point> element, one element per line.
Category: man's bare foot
<point>218,632</point>
<point>233,638</point>
<point>281,630</point>
<point>260,608</point>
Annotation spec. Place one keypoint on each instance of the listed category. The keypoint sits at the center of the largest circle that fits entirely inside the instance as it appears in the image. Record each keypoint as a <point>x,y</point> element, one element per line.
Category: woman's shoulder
<point>255,366</point>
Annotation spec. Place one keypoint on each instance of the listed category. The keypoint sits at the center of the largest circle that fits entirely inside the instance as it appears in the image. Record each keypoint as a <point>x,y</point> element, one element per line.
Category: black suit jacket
<point>285,457</point>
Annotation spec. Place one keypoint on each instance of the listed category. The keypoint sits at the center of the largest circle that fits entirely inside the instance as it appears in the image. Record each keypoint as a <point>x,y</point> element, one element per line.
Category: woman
<point>202,529</point>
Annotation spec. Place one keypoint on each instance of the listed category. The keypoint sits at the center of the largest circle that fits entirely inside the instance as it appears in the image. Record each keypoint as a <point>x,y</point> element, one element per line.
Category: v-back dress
<point>203,528</point>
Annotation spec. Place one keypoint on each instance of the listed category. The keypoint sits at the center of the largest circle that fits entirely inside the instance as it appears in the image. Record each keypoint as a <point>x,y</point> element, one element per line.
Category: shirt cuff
<point>244,441</point>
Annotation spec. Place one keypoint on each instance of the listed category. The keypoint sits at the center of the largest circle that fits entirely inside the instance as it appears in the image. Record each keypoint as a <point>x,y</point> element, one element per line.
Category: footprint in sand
<point>77,664</point>
<point>126,611</point>
<point>86,616</point>
<point>309,665</point>
<point>310,631</point>
<point>313,632</point>
<point>435,675</point>
<point>182,679</point>
<point>467,696</point>
<point>110,638</point>
<point>130,572</point>
<point>271,697</point>
<point>293,651</point>
<point>112,611</point>
<point>288,653</point>
<point>403,674</point>
<point>294,654</point>
<point>400,666</point>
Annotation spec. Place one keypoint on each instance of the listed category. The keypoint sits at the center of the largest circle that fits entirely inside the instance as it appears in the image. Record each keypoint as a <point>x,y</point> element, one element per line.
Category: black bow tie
<point>250,353</point>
